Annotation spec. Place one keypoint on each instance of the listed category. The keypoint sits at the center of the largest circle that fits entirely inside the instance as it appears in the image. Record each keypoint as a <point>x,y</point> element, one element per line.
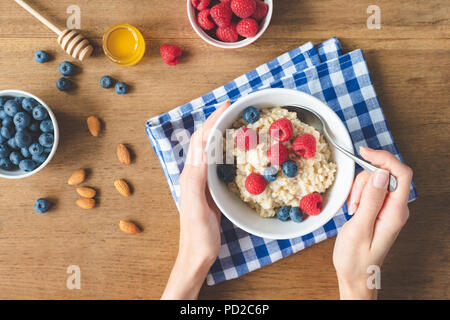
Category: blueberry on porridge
<point>282,164</point>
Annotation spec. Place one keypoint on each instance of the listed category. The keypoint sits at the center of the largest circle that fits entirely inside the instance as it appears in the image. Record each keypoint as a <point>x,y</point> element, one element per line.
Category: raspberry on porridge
<point>302,159</point>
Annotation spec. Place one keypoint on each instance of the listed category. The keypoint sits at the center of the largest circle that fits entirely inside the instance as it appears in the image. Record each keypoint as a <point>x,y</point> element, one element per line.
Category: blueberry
<point>27,165</point>
<point>11,107</point>
<point>290,169</point>
<point>66,68</point>
<point>39,159</point>
<point>270,174</point>
<point>6,164</point>
<point>42,205</point>
<point>4,151</point>
<point>296,214</point>
<point>121,88</point>
<point>251,114</point>
<point>283,213</point>
<point>25,152</point>
<point>2,139</point>
<point>41,56</point>
<point>106,82</point>
<point>19,100</point>
<point>7,121</point>
<point>12,143</point>
<point>28,104</point>
<point>39,113</point>
<point>46,139</point>
<point>63,84</point>
<point>3,114</point>
<point>22,120</point>
<point>47,150</point>
<point>46,126</point>
<point>15,157</point>
<point>35,149</point>
<point>7,132</point>
<point>226,172</point>
<point>2,101</point>
<point>34,126</point>
<point>23,138</point>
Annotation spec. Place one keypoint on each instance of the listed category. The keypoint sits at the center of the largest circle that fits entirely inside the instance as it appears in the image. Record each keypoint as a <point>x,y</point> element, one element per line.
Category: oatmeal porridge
<point>281,163</point>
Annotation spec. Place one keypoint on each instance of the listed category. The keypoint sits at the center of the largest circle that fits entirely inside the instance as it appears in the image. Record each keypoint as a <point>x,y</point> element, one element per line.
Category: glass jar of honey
<point>124,45</point>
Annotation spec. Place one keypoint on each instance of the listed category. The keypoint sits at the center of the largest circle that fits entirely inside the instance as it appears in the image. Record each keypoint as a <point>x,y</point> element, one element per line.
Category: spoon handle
<point>367,166</point>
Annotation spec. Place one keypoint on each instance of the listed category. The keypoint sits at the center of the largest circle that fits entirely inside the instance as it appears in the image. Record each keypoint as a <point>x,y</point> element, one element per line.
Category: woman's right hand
<point>365,240</point>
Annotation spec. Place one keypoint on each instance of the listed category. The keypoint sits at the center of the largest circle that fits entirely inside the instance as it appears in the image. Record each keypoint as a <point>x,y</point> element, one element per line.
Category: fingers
<point>193,176</point>
<point>209,123</point>
<point>388,161</point>
<point>372,199</point>
<point>211,120</point>
<point>357,189</point>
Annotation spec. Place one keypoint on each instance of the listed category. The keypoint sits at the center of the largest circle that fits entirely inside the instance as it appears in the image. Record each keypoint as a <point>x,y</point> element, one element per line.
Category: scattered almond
<point>122,187</point>
<point>129,227</point>
<point>123,154</point>
<point>77,177</point>
<point>86,203</point>
<point>94,125</point>
<point>86,192</point>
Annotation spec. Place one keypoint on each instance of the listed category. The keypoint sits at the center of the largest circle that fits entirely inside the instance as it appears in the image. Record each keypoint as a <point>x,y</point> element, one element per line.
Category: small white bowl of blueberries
<point>29,134</point>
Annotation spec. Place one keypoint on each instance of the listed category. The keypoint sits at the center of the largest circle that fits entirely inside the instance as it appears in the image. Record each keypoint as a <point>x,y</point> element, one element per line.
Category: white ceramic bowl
<point>18,173</point>
<point>238,212</point>
<point>228,45</point>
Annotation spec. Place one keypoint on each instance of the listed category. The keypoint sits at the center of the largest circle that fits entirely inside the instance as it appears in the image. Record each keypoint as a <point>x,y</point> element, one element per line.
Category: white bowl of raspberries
<point>229,24</point>
<point>29,134</point>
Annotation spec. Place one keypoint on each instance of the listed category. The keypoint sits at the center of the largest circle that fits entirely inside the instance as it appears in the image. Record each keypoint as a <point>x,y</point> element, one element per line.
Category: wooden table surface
<point>409,59</point>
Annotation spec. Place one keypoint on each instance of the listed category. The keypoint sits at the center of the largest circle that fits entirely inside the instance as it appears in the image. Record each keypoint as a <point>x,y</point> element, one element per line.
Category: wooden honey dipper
<point>72,41</point>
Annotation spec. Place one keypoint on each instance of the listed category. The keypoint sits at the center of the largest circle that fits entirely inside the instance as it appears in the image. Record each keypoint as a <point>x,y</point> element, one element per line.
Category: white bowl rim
<point>229,45</point>
<point>21,93</point>
<point>346,188</point>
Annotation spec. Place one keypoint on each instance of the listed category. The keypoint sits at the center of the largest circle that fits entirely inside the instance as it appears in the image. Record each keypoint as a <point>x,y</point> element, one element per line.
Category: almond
<point>86,192</point>
<point>122,187</point>
<point>86,203</point>
<point>123,154</point>
<point>129,227</point>
<point>94,125</point>
<point>77,177</point>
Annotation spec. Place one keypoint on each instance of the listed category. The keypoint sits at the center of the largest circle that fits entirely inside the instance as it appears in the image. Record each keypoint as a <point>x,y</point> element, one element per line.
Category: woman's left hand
<point>199,220</point>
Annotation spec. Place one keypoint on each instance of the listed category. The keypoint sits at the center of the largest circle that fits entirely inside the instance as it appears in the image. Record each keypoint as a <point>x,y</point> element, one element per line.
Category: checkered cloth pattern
<point>340,80</point>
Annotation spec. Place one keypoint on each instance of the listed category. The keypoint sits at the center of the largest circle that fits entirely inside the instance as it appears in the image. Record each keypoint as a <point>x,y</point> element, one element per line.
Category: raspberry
<point>243,8</point>
<point>281,130</point>
<point>311,204</point>
<point>278,154</point>
<point>255,183</point>
<point>305,146</point>
<point>246,139</point>
<point>247,28</point>
<point>200,4</point>
<point>228,33</point>
<point>260,11</point>
<point>225,1</point>
<point>170,54</point>
<point>221,14</point>
<point>204,21</point>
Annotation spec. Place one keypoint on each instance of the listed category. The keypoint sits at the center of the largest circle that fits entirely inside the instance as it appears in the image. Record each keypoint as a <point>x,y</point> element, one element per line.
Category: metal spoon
<point>315,120</point>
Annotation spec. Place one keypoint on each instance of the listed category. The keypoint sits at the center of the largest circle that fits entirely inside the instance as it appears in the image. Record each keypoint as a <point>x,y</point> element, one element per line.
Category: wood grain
<point>409,59</point>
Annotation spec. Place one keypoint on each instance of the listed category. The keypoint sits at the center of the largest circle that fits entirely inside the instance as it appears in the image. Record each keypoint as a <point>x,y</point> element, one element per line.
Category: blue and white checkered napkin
<point>341,81</point>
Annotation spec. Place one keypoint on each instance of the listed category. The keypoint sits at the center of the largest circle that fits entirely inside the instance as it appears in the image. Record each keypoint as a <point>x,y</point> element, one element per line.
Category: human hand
<point>366,239</point>
<point>199,220</point>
